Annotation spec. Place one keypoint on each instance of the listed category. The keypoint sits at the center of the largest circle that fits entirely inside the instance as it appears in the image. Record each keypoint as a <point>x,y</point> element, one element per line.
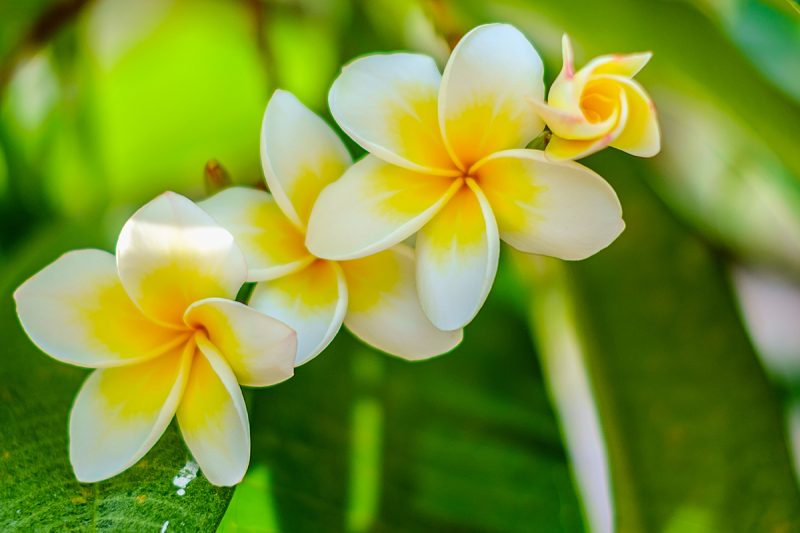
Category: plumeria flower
<point>447,159</point>
<point>159,325</point>
<point>600,105</point>
<point>374,296</point>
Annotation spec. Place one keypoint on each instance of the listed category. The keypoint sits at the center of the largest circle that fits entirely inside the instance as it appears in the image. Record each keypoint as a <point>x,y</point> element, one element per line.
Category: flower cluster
<point>447,161</point>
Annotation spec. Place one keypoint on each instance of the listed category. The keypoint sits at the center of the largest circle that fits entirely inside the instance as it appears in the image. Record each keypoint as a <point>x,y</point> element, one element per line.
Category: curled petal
<point>374,206</point>
<point>566,91</point>
<point>312,302</point>
<point>484,102</point>
<point>120,413</point>
<point>641,135</point>
<point>384,309</point>
<point>213,418</point>
<point>171,254</point>
<point>300,154</point>
<point>272,245</point>
<point>560,209</point>
<point>387,104</point>
<point>573,125</point>
<point>259,349</point>
<point>561,148</point>
<point>76,311</point>
<point>457,254</point>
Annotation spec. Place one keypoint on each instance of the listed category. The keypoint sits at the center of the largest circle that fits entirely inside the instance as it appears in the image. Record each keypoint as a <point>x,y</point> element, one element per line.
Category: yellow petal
<point>387,104</point>
<point>171,254</point>
<point>384,309</point>
<point>568,88</point>
<point>561,149</point>
<point>641,135</point>
<point>488,85</point>
<point>457,255</point>
<point>374,206</point>
<point>213,418</point>
<point>626,65</point>
<point>560,209</point>
<point>272,245</point>
<point>573,125</point>
<point>312,302</point>
<point>259,349</point>
<point>300,154</point>
<point>76,311</point>
<point>121,412</point>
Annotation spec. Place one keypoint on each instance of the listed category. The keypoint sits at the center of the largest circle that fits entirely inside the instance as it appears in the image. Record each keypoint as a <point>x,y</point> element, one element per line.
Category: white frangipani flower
<point>159,324</point>
<point>374,296</point>
<point>447,159</point>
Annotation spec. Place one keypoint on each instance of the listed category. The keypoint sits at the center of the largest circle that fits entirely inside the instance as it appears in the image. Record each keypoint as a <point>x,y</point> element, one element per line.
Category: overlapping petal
<point>213,418</point>
<point>374,206</point>
<point>171,254</point>
<point>384,309</point>
<point>562,149</point>
<point>493,75</point>
<point>560,209</point>
<point>272,245</point>
<point>457,254</point>
<point>76,311</point>
<point>566,91</point>
<point>641,135</point>
<point>300,154</point>
<point>312,302</point>
<point>121,412</point>
<point>598,106</point>
<point>259,349</point>
<point>388,104</point>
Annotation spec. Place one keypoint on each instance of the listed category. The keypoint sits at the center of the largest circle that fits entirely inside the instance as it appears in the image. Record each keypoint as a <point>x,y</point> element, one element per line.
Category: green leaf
<point>360,441</point>
<point>694,431</point>
<point>38,490</point>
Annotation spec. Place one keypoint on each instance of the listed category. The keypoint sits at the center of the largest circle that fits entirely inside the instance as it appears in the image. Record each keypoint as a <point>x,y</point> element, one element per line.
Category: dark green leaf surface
<point>359,441</point>
<point>38,491</point>
<point>694,431</point>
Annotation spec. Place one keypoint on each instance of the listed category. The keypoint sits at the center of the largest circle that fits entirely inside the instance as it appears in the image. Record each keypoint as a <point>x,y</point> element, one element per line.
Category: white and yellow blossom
<point>159,325</point>
<point>600,105</point>
<point>374,296</point>
<point>447,159</point>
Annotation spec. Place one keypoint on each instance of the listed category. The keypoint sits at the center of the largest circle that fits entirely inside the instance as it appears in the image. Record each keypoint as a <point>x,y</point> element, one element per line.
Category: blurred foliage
<point>693,429</point>
<point>105,103</point>
<point>360,441</point>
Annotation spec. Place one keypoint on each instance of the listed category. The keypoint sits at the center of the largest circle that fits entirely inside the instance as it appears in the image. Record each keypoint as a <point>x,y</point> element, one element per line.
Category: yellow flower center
<point>600,99</point>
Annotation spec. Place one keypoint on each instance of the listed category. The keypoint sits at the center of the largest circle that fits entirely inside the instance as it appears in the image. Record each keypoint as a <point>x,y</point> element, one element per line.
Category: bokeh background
<point>652,388</point>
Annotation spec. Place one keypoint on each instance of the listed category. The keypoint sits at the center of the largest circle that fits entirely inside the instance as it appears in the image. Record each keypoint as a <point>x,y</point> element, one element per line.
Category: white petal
<point>300,154</point>
<point>76,311</point>
<point>457,254</point>
<point>312,302</point>
<point>259,349</point>
<point>171,254</point>
<point>213,418</point>
<point>561,209</point>
<point>272,245</point>
<point>120,413</point>
<point>387,104</point>
<point>374,206</point>
<point>485,99</point>
<point>384,309</point>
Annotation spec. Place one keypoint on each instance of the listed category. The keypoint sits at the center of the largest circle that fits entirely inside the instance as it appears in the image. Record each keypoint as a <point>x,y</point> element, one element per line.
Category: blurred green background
<point>652,388</point>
